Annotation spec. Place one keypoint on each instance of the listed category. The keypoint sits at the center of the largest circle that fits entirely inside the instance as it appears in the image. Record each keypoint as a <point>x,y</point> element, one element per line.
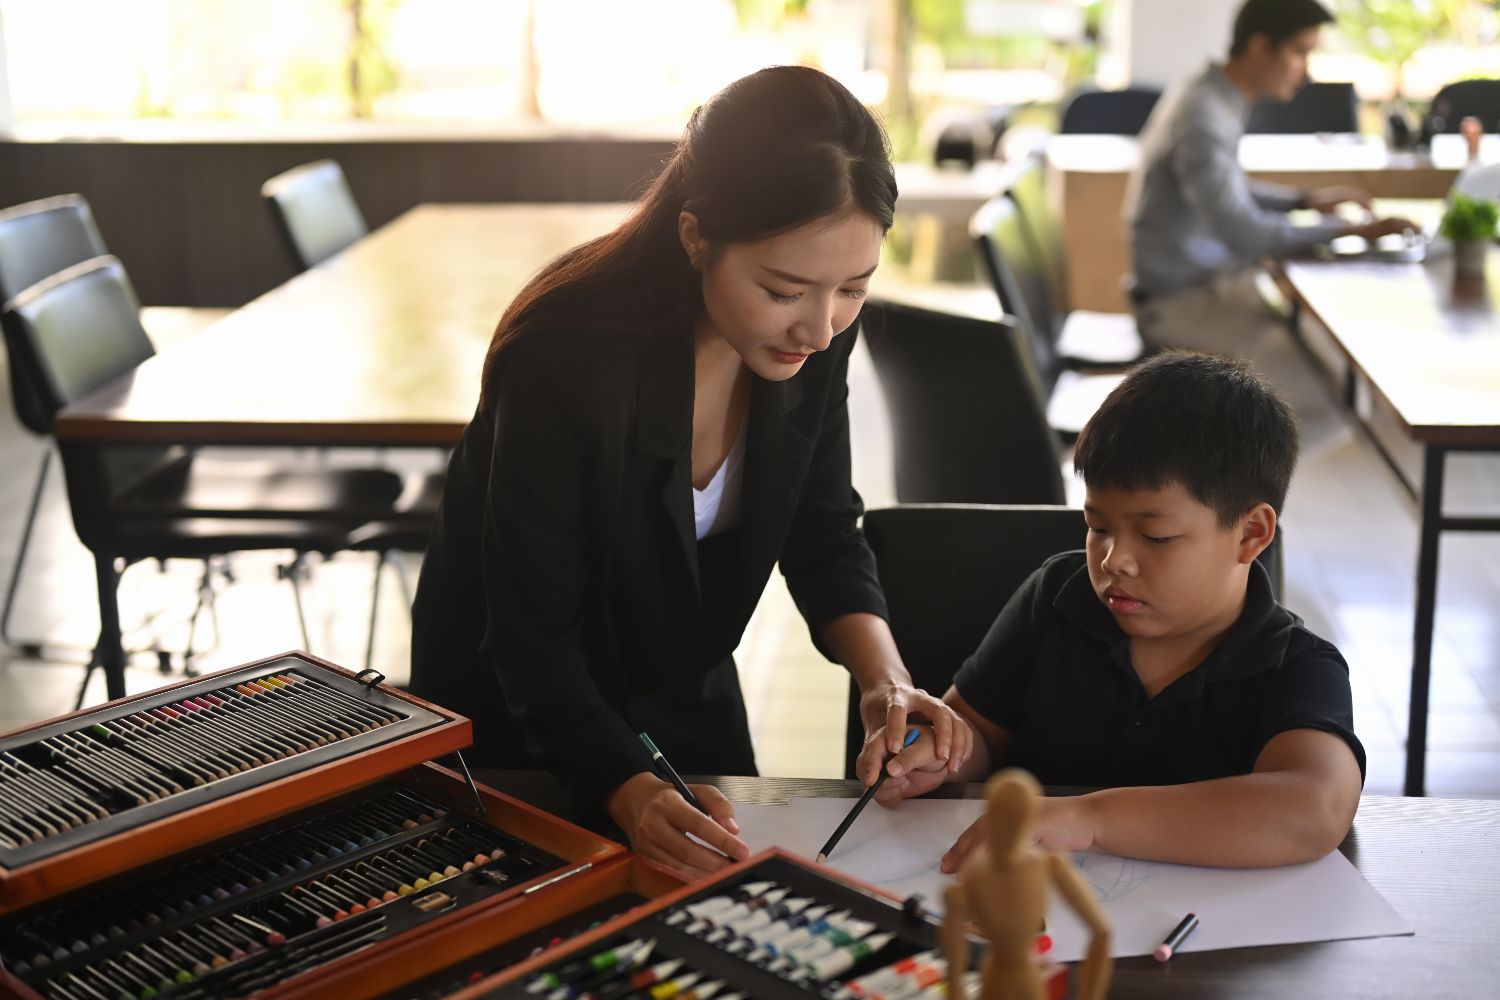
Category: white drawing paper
<point>898,851</point>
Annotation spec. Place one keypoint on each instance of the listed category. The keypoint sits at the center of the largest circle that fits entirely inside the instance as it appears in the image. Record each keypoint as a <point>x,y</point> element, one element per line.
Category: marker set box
<point>772,926</point>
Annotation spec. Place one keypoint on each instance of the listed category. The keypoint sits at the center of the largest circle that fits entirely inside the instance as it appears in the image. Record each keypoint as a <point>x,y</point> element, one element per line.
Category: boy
<point>1157,663</point>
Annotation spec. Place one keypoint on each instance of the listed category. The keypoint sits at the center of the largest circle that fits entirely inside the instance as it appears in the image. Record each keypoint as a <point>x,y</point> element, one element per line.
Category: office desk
<point>1435,860</point>
<point>1429,346</point>
<point>1089,174</point>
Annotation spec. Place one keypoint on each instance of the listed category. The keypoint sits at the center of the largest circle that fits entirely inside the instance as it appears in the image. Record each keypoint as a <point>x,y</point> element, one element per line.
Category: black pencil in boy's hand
<point>864,800</point>
<point>666,770</point>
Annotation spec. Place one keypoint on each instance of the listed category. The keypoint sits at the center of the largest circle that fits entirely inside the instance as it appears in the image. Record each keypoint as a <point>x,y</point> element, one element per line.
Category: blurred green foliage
<point>1470,219</point>
<point>1393,31</point>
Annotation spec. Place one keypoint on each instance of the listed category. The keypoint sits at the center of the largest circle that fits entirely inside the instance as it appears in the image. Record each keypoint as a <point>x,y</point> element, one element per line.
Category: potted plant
<point>1470,224</point>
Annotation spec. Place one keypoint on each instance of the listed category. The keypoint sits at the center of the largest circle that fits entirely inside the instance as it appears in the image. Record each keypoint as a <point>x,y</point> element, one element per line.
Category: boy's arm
<point>991,742</point>
<point>1296,806</point>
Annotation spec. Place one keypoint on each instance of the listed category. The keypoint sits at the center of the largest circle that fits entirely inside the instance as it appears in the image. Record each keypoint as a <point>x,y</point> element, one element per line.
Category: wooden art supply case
<point>913,932</point>
<point>275,829</point>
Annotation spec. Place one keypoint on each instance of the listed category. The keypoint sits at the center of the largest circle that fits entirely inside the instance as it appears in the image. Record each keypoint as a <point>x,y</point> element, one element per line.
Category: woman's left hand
<point>886,706</point>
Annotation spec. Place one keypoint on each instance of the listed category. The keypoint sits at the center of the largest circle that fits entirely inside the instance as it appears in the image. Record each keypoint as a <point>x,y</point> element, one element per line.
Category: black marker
<point>670,773</point>
<point>1174,940</point>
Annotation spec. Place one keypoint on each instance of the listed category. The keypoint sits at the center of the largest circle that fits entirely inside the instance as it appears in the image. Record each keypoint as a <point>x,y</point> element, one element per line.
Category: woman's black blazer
<point>562,574</point>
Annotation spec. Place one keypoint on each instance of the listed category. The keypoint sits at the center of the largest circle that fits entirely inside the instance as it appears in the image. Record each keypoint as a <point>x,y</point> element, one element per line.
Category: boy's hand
<point>916,770</point>
<point>1062,824</point>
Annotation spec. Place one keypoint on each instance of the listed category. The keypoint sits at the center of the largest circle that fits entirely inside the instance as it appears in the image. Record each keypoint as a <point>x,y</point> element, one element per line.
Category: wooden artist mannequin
<point>1002,888</point>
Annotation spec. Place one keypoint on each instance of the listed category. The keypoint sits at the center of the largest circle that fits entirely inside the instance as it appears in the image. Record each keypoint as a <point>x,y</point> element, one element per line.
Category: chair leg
<point>403,579</point>
<point>15,573</point>
<point>374,608</point>
<point>293,574</point>
<point>83,688</point>
<point>205,598</point>
<point>109,654</point>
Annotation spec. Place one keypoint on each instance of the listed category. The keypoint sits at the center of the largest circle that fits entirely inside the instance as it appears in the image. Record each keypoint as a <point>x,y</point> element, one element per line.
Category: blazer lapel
<point>664,429</point>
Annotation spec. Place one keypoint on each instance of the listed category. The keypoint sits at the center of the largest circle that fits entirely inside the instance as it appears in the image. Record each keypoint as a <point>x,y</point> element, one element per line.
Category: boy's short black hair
<point>1277,19</point>
<point>1206,422</point>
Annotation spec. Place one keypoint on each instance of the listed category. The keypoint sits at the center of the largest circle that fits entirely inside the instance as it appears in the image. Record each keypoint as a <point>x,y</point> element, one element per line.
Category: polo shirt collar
<point>1227,90</point>
<point>1256,641</point>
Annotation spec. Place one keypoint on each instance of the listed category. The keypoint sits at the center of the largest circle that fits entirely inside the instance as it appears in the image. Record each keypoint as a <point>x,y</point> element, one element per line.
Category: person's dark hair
<point>1208,423</point>
<point>1278,20</point>
<point>770,152</point>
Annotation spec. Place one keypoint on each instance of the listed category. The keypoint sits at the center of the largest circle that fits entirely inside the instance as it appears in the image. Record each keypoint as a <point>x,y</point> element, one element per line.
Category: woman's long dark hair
<point>768,153</point>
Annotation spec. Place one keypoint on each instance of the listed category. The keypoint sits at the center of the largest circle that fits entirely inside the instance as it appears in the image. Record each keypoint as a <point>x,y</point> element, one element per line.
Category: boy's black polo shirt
<point>1055,670</point>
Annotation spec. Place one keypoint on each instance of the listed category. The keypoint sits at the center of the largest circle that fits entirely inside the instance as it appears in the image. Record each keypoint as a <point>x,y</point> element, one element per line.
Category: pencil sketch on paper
<point>1112,877</point>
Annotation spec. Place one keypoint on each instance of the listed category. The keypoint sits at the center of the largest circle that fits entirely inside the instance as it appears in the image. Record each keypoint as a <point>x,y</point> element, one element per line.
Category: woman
<point>662,420</point>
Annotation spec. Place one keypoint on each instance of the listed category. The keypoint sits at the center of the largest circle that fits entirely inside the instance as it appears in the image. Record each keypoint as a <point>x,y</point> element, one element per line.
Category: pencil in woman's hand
<point>911,737</point>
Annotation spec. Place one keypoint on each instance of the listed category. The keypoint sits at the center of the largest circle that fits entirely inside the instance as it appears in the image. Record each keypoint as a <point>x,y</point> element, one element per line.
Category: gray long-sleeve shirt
<point>1191,208</point>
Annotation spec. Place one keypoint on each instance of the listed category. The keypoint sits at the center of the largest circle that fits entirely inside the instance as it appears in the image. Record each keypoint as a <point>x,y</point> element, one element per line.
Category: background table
<point>1427,343</point>
<point>1436,860</point>
<point>380,345</point>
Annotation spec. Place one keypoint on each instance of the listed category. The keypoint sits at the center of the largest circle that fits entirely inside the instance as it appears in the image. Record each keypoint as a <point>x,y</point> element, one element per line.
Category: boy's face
<point>1163,565</point>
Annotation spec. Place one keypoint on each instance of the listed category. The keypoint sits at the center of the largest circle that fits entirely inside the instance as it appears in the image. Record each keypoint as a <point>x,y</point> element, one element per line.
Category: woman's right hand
<point>658,820</point>
<point>915,770</point>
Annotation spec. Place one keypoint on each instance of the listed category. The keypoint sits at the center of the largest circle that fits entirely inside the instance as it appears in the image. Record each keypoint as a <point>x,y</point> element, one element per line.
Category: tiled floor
<point>1351,554</point>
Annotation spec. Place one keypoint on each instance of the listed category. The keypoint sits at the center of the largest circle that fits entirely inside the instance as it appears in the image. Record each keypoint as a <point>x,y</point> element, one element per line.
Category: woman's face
<point>775,301</point>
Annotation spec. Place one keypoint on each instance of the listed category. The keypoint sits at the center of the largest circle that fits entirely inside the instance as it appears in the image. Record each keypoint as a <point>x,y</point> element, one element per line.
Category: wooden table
<point>1429,346</point>
<point>1436,860</point>
<point>1089,173</point>
<point>380,345</point>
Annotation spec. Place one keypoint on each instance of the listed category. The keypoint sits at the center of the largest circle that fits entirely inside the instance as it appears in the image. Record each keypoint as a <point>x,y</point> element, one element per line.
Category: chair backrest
<point>968,420</point>
<point>37,240</point>
<point>1016,274</point>
<point>1463,99</point>
<point>40,238</point>
<point>1043,231</point>
<point>1109,112</point>
<point>71,334</point>
<point>947,570</point>
<point>1318,107</point>
<point>314,211</point>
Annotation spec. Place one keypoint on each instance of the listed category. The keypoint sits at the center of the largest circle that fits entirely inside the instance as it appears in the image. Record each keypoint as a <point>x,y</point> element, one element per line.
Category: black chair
<point>1083,338</point>
<point>948,569</point>
<point>38,239</point>
<point>1463,99</point>
<point>314,211</point>
<point>1318,107</point>
<point>967,417</point>
<point>76,331</point>
<point>1108,112</point>
<point>407,530</point>
<point>1016,274</point>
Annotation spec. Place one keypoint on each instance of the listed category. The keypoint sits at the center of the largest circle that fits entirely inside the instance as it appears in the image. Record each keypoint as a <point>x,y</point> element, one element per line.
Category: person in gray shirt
<point>1198,224</point>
